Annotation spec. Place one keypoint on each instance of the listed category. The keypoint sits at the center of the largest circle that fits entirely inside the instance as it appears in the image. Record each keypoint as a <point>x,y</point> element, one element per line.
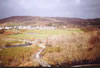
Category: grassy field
<point>78,48</point>
<point>70,45</point>
<point>16,56</point>
<point>35,34</point>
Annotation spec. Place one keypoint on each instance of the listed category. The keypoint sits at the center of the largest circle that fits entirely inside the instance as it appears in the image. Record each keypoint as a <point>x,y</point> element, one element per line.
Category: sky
<point>50,8</point>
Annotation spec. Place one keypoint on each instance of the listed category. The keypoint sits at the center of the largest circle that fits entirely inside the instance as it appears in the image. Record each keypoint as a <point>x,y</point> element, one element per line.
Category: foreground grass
<point>16,56</point>
<point>79,48</point>
<point>59,46</point>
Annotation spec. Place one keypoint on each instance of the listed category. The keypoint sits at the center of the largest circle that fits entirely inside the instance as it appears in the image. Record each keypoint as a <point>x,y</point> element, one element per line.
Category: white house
<point>28,27</point>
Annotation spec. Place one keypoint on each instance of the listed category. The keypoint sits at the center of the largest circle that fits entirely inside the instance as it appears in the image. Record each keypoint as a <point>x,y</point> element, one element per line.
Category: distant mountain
<point>55,21</point>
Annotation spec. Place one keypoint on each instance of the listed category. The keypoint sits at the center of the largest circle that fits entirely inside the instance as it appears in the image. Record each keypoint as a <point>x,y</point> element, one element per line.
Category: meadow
<point>72,46</point>
<point>76,48</point>
<point>36,34</point>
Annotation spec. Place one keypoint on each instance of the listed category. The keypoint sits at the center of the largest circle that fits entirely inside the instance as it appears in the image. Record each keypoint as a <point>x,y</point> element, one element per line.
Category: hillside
<point>50,21</point>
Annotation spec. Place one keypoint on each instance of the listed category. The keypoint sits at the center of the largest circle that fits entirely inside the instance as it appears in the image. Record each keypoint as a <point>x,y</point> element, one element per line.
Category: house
<point>6,27</point>
<point>28,27</point>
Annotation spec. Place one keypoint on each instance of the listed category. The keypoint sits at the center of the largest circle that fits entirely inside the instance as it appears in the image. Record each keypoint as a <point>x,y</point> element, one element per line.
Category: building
<point>28,27</point>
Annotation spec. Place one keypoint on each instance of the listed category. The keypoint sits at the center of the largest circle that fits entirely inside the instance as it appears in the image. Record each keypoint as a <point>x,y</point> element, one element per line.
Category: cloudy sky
<point>51,8</point>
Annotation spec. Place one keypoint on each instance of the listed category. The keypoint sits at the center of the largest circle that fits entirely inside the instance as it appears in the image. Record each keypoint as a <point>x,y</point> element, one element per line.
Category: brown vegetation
<point>74,49</point>
<point>12,31</point>
<point>48,21</point>
<point>17,56</point>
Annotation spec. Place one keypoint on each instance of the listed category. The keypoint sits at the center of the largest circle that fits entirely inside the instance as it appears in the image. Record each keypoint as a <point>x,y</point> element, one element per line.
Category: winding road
<point>37,55</point>
<point>39,59</point>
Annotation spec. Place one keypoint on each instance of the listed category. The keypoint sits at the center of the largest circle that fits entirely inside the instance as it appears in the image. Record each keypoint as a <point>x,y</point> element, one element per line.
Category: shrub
<point>2,31</point>
<point>75,49</point>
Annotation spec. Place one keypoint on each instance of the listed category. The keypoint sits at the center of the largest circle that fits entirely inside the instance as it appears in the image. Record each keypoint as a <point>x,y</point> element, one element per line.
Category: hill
<point>47,21</point>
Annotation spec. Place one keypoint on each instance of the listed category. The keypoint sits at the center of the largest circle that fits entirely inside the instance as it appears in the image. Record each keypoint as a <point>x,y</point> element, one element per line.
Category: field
<point>36,34</point>
<point>16,56</point>
<point>81,48</point>
<point>72,46</point>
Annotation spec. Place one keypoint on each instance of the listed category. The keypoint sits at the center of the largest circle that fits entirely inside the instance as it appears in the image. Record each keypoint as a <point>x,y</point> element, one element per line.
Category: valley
<point>27,41</point>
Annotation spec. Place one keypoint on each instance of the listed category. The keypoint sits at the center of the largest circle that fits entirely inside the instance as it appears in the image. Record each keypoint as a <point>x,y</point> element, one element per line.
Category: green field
<point>43,33</point>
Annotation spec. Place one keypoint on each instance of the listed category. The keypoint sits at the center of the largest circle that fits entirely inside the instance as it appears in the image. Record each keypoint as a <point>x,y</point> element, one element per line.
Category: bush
<point>2,31</point>
<point>75,49</point>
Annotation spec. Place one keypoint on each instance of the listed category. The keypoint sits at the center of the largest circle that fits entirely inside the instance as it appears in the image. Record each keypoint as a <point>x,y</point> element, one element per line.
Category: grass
<point>4,43</point>
<point>16,56</point>
<point>51,50</point>
<point>69,45</point>
<point>42,33</point>
<point>78,48</point>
